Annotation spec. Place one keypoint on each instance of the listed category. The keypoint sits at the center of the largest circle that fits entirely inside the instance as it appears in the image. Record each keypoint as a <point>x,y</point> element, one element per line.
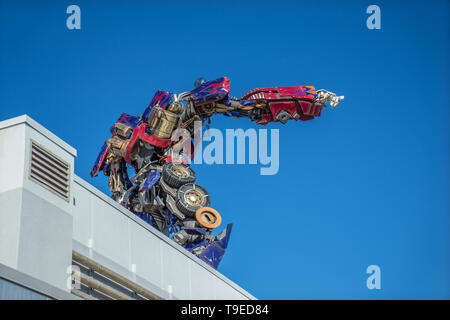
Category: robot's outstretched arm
<point>262,105</point>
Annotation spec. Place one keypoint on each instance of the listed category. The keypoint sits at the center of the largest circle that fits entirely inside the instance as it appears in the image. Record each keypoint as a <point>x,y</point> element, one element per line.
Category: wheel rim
<point>208,217</point>
<point>193,197</point>
<point>180,171</point>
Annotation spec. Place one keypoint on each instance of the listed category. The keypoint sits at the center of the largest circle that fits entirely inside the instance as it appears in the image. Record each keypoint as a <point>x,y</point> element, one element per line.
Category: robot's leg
<point>118,179</point>
<point>160,220</point>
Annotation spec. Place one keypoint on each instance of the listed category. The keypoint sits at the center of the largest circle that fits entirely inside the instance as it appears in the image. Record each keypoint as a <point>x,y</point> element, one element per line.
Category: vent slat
<point>49,171</point>
<point>42,171</point>
<point>51,156</point>
<point>46,167</point>
<point>57,165</point>
<point>44,181</point>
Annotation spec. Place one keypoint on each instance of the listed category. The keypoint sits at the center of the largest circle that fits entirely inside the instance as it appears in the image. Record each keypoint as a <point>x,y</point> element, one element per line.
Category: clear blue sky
<point>365,184</point>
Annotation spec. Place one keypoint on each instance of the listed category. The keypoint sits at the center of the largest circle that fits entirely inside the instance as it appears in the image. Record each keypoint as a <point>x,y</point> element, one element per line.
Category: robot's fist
<point>324,96</point>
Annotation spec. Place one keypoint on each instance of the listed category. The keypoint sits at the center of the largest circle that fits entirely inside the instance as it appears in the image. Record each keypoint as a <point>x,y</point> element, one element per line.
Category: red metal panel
<point>140,133</point>
<point>299,92</point>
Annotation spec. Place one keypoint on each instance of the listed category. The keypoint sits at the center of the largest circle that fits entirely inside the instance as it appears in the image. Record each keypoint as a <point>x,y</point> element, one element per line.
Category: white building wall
<point>133,248</point>
<point>34,223</point>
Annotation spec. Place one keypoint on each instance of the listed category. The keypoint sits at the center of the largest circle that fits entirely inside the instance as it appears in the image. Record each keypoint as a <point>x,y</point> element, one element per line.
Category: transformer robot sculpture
<point>163,191</point>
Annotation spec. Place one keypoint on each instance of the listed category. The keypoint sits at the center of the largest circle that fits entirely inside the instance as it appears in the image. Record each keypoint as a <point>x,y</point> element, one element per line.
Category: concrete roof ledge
<point>38,127</point>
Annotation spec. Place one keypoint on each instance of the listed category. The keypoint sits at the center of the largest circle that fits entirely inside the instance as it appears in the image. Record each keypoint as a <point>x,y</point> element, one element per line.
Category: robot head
<point>199,82</point>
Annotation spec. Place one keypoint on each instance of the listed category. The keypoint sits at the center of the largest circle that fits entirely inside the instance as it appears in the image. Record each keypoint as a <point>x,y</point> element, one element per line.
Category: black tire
<point>176,174</point>
<point>191,197</point>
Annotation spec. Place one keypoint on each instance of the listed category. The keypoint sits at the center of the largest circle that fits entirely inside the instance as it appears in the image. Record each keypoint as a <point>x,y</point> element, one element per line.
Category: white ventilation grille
<point>49,171</point>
